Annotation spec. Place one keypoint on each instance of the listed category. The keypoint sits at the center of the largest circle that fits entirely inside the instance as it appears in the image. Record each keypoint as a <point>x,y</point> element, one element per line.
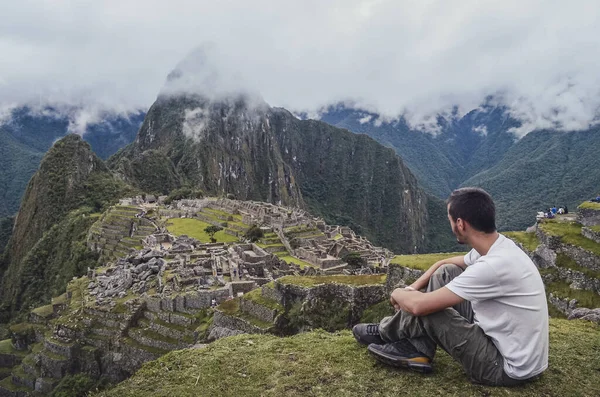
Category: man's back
<point>509,301</point>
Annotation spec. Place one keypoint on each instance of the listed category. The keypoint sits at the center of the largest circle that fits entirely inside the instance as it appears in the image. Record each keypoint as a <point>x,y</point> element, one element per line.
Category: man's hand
<point>396,304</point>
<point>421,304</point>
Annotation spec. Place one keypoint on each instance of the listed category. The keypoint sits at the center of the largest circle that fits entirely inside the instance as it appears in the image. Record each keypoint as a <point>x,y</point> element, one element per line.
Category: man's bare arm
<point>421,304</point>
<point>424,279</point>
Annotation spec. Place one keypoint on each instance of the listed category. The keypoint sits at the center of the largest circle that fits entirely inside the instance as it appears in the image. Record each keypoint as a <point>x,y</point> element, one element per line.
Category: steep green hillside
<point>239,147</point>
<point>70,176</point>
<point>323,364</point>
<point>463,146</point>
<point>17,164</point>
<point>53,261</point>
<point>27,135</point>
<point>6,225</point>
<point>543,169</point>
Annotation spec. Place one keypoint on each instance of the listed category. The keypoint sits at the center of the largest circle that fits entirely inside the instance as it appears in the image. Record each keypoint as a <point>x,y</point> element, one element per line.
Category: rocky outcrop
<point>588,216</point>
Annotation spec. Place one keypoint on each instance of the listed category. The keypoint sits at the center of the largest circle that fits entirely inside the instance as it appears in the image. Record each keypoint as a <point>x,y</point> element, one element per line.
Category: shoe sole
<point>412,364</point>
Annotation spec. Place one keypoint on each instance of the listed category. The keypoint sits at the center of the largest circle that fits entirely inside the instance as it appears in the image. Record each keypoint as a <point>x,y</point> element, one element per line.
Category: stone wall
<point>270,292</point>
<point>189,302</point>
<point>259,311</point>
<point>400,275</point>
<point>552,242</point>
<point>365,296</point>
<point>589,233</point>
<point>223,320</point>
<point>241,286</point>
<point>582,257</point>
<point>588,216</point>
<point>9,360</point>
<point>564,305</point>
<point>578,280</point>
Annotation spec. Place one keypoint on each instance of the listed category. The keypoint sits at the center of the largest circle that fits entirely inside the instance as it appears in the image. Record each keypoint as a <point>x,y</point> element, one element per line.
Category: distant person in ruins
<point>566,209</point>
<point>554,210</point>
<point>487,309</point>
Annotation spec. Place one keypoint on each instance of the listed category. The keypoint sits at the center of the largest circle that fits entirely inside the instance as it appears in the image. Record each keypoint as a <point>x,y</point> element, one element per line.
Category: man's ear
<point>460,224</point>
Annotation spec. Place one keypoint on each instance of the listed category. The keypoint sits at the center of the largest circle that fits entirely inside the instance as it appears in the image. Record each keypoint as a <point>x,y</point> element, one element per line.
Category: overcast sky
<point>418,58</point>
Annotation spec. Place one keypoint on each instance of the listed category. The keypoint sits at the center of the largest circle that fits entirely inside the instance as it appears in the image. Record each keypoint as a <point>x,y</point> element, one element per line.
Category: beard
<point>459,236</point>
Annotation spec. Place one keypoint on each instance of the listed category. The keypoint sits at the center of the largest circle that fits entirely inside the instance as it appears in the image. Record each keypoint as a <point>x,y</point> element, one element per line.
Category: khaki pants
<point>453,330</point>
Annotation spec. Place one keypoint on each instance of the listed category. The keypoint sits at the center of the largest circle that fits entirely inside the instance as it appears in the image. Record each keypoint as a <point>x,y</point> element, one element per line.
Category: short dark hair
<point>475,206</point>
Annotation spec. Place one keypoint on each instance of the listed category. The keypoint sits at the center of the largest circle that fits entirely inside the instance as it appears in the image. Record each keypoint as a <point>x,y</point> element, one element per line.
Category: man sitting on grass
<point>487,309</point>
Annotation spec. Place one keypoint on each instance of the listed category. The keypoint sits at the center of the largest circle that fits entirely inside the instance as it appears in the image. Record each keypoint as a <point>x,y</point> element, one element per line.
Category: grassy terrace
<point>529,240</point>
<point>565,261</point>
<point>585,298</point>
<point>590,205</point>
<point>332,364</point>
<point>195,228</point>
<point>310,281</point>
<point>6,347</point>
<point>256,296</point>
<point>293,259</point>
<point>570,233</point>
<point>7,384</point>
<point>44,311</point>
<point>232,308</point>
<point>424,261</point>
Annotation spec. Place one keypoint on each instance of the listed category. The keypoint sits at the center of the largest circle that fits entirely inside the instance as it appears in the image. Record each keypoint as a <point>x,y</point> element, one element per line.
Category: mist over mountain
<point>228,142</point>
<point>544,168</point>
<point>26,133</point>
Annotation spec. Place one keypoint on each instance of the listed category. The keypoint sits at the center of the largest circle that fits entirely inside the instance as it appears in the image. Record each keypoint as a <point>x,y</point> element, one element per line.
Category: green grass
<point>374,314</point>
<point>232,308</point>
<point>6,347</point>
<point>60,300</point>
<point>332,364</point>
<point>256,296</point>
<point>153,350</point>
<point>305,281</point>
<point>423,261</point>
<point>529,240</point>
<point>337,237</point>
<point>44,311</point>
<point>7,384</point>
<point>584,298</point>
<point>595,228</point>
<point>195,228</point>
<point>567,262</point>
<point>589,205</point>
<point>293,259</point>
<point>570,233</point>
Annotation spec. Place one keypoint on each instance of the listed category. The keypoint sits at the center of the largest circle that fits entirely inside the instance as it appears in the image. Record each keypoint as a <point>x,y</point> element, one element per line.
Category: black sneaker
<point>401,354</point>
<point>367,334</point>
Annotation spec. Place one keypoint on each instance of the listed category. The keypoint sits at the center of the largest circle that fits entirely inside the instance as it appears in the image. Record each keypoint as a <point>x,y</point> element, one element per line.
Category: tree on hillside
<point>354,260</point>
<point>211,230</point>
<point>254,234</point>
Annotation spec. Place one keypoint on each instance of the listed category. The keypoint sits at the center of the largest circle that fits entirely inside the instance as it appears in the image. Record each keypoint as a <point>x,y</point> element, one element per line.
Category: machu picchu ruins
<point>163,285</point>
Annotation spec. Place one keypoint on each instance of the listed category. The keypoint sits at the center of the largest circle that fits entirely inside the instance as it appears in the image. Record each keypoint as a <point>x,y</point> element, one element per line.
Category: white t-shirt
<point>509,301</point>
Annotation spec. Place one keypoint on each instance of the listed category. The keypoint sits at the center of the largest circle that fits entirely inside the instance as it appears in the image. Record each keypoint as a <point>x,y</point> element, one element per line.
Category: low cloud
<point>418,59</point>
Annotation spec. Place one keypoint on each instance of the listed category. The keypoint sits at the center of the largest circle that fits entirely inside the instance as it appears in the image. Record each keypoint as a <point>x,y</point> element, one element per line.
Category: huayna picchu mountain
<point>46,246</point>
<point>26,134</point>
<point>243,147</point>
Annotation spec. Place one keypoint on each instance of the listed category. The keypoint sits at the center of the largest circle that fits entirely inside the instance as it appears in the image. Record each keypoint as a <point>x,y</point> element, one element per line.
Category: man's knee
<point>444,274</point>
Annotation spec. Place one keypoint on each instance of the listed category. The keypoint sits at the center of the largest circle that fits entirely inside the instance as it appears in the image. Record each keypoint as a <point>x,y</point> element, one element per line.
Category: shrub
<point>254,234</point>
